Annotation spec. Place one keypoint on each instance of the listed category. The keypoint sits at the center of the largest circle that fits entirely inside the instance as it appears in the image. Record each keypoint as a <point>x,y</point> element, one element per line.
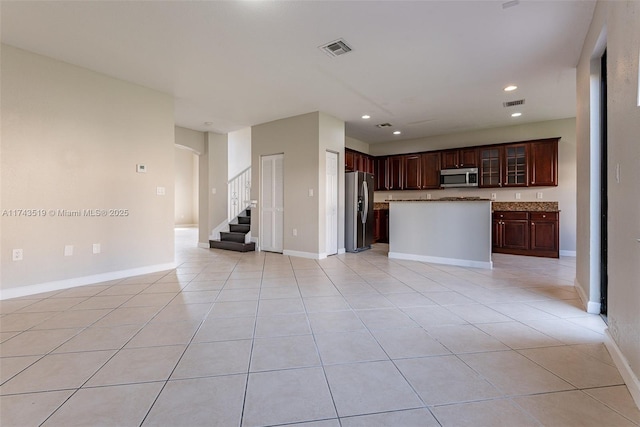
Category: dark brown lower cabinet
<point>544,233</point>
<point>381,226</point>
<point>526,233</point>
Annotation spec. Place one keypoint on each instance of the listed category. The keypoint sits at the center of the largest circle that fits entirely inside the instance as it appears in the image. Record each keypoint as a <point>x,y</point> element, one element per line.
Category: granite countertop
<point>526,206</point>
<point>495,206</point>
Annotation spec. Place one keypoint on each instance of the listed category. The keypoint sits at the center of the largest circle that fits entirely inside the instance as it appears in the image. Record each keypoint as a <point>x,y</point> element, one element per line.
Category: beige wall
<point>356,144</point>
<point>191,139</point>
<point>239,151</point>
<point>564,193</point>
<point>618,25</point>
<point>71,139</point>
<point>217,152</point>
<point>303,140</point>
<point>186,187</point>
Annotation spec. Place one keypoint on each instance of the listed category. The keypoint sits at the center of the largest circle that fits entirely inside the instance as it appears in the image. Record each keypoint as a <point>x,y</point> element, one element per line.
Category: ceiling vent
<point>513,103</point>
<point>384,125</point>
<point>336,48</point>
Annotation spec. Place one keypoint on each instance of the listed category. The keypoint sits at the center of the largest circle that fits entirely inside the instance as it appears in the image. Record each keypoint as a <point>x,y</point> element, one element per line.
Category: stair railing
<point>239,193</point>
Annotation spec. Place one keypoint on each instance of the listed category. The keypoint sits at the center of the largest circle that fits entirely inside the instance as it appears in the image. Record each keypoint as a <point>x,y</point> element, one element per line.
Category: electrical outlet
<point>539,195</point>
<point>295,231</point>
<point>17,255</point>
<point>428,196</point>
<point>517,196</point>
<point>493,196</point>
<point>311,192</point>
<point>160,191</point>
<point>68,250</point>
<point>96,248</point>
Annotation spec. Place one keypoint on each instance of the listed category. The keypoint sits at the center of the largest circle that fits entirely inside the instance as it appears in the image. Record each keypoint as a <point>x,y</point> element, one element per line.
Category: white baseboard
<point>58,285</point>
<point>568,253</point>
<point>204,245</point>
<point>629,377</point>
<point>341,251</point>
<point>591,306</point>
<point>301,254</point>
<point>440,260</point>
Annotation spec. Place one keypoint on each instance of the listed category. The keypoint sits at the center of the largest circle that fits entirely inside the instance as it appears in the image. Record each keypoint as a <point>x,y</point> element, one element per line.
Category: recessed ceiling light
<point>510,88</point>
<point>366,116</point>
<point>208,123</point>
<point>516,114</point>
<point>397,132</point>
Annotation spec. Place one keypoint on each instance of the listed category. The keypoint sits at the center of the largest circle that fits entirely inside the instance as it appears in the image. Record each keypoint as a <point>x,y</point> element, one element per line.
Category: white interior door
<point>272,203</point>
<point>332,204</point>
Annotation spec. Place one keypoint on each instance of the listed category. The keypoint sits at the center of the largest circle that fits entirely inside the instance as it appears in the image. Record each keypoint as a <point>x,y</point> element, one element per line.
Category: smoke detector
<point>384,125</point>
<point>336,48</point>
<point>513,103</point>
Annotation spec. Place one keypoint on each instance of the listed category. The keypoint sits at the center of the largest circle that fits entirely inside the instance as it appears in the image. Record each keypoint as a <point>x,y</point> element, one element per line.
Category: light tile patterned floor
<point>259,339</point>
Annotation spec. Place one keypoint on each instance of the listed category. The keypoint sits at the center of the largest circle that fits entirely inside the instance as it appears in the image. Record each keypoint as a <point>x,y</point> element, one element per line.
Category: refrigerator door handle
<point>365,211</point>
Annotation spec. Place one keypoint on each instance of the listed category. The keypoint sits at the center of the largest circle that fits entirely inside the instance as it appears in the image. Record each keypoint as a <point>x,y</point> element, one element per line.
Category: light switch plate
<point>160,191</point>
<point>17,255</point>
<point>311,192</point>
<point>68,250</point>
<point>96,248</point>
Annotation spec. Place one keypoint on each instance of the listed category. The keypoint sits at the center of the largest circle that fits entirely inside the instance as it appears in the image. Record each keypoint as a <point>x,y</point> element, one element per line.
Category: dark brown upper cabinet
<point>349,161</point>
<point>395,172</point>
<point>430,169</point>
<point>412,172</point>
<point>380,174</point>
<point>459,158</point>
<point>543,163</point>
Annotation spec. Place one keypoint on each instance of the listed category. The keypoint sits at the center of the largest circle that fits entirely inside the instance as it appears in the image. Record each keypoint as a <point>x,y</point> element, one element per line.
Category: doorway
<point>604,277</point>
<point>331,208</point>
<point>272,203</point>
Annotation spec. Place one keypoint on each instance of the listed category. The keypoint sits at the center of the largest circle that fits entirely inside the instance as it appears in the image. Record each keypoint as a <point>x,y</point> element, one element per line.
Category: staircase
<point>236,238</point>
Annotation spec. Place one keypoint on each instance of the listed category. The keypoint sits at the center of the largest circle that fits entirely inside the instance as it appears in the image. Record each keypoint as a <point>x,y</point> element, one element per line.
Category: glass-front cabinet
<point>490,170</point>
<point>516,172</point>
<point>504,166</point>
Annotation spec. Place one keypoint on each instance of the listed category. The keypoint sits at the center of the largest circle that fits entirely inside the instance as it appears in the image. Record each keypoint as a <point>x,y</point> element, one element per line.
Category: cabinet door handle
<point>533,223</point>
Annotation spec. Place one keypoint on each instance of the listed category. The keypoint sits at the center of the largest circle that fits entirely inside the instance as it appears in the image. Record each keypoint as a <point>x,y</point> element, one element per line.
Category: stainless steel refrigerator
<point>359,222</point>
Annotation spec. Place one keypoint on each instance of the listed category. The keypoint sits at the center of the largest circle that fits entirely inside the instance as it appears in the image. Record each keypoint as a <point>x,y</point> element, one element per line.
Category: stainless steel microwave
<point>463,177</point>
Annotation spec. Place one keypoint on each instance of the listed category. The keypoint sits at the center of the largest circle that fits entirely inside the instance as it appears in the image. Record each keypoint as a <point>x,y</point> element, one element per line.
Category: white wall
<point>239,151</point>
<point>564,193</point>
<point>71,139</point>
<point>186,187</point>
<point>616,24</point>
<point>331,138</point>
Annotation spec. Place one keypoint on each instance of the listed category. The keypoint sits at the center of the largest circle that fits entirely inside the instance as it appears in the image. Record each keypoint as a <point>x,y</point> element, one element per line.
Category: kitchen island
<point>454,231</point>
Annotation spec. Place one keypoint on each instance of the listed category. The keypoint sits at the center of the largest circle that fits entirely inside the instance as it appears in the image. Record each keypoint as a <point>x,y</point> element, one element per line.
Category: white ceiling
<point>426,67</point>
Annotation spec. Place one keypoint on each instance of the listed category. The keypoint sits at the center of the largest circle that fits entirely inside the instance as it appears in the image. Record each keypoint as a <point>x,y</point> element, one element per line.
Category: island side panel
<point>447,232</point>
